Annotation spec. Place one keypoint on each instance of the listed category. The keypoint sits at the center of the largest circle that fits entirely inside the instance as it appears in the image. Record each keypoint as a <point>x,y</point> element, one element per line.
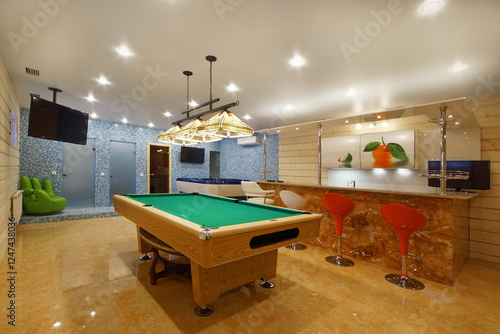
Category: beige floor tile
<point>85,276</point>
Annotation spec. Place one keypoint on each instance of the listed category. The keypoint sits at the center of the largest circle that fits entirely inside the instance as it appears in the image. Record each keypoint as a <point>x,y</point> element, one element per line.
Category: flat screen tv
<point>479,174</point>
<point>53,121</point>
<point>192,154</point>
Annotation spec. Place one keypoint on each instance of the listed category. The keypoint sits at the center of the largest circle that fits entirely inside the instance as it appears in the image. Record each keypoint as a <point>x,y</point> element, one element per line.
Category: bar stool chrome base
<point>204,311</point>
<point>339,261</point>
<point>296,246</point>
<point>405,282</point>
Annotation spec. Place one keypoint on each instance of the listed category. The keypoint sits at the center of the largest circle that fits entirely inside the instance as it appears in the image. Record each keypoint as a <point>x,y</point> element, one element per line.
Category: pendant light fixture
<point>223,125</point>
<point>188,133</point>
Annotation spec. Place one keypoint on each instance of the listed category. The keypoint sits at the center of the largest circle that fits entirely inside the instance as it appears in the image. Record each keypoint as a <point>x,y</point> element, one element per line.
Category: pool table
<point>229,242</point>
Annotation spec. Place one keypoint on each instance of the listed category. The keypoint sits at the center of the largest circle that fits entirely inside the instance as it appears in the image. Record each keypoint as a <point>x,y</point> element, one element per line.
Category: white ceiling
<point>404,58</point>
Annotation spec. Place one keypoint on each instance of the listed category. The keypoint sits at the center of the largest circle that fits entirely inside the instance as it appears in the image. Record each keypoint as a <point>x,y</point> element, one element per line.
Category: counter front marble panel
<point>442,245</point>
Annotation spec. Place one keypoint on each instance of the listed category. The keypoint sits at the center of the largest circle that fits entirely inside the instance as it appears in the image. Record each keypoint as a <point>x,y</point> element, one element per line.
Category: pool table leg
<point>144,247</point>
<point>209,283</point>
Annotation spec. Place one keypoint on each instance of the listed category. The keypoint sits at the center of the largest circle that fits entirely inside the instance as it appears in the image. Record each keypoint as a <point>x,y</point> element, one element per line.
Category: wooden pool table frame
<point>225,260</point>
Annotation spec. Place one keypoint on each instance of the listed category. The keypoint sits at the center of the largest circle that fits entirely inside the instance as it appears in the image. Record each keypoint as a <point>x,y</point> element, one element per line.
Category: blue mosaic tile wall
<point>38,157</point>
<point>188,169</point>
<point>104,132</point>
<point>241,162</point>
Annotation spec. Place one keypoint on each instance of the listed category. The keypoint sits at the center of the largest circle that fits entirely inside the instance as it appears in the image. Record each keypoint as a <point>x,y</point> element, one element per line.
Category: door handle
<point>65,174</point>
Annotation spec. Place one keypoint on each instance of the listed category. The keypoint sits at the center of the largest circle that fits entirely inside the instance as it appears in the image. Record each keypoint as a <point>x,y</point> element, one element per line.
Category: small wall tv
<point>49,120</point>
<point>192,154</point>
<point>479,174</point>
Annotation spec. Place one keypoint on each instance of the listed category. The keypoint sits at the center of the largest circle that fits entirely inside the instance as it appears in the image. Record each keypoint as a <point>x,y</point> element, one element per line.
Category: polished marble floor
<point>84,276</point>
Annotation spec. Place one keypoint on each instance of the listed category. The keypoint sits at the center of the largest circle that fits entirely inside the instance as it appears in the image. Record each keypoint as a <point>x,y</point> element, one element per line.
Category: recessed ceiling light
<point>288,107</point>
<point>151,124</point>
<point>247,117</point>
<point>193,103</point>
<point>167,113</point>
<point>384,124</point>
<point>351,92</point>
<point>124,120</point>
<point>103,81</point>
<point>124,51</point>
<point>371,126</point>
<point>379,117</point>
<point>297,61</point>
<point>91,98</point>
<point>347,121</point>
<point>278,131</point>
<point>93,115</point>
<point>296,128</point>
<point>458,67</point>
<point>430,7</point>
<point>358,126</point>
<point>232,87</point>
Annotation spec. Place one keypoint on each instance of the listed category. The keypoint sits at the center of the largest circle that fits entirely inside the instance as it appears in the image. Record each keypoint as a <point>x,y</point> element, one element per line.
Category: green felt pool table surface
<point>212,211</point>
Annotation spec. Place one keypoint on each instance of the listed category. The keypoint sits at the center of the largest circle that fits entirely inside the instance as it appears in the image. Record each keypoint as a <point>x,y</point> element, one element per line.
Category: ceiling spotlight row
<point>126,52</point>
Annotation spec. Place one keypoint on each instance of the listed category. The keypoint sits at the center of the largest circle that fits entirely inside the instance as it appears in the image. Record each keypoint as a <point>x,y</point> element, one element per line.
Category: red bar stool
<point>406,221</point>
<point>339,206</point>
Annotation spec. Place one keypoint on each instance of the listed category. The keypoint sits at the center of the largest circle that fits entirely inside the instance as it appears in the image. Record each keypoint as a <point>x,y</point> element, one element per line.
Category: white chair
<point>293,201</point>
<point>256,194</point>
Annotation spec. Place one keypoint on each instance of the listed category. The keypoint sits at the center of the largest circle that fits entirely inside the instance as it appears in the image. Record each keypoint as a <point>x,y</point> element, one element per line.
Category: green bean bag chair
<point>38,200</point>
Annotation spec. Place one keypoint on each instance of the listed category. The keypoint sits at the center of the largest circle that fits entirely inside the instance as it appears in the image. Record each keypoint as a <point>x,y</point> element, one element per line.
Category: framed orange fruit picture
<point>395,149</point>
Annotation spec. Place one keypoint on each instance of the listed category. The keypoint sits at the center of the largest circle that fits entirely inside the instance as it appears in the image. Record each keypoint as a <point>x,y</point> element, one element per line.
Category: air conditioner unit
<point>248,141</point>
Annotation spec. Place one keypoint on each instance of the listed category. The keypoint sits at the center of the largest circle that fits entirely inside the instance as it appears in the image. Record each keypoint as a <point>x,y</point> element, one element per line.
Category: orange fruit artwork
<point>383,159</point>
<point>383,154</point>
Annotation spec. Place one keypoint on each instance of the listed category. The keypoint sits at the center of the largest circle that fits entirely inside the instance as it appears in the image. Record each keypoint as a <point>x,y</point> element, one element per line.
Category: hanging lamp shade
<point>189,133</point>
<point>168,136</point>
<point>225,125</point>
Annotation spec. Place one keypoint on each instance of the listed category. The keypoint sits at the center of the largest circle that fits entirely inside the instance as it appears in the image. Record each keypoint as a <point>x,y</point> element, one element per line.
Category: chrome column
<point>319,153</point>
<point>442,172</point>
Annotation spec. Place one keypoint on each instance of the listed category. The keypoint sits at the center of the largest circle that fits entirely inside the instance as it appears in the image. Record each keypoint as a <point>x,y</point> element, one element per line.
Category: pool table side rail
<point>226,246</point>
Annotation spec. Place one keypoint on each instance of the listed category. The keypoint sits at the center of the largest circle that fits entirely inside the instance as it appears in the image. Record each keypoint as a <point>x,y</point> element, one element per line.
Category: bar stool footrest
<point>410,255</point>
<point>346,236</point>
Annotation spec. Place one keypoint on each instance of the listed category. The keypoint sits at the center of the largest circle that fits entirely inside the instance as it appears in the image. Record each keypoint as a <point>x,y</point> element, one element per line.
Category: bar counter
<point>442,244</point>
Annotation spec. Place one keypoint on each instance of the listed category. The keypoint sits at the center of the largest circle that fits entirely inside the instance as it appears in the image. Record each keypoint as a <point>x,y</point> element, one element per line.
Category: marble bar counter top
<point>432,193</point>
<point>442,245</point>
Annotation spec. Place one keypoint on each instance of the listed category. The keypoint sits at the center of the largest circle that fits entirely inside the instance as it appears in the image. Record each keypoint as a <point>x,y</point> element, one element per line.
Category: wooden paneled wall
<point>298,163</point>
<point>9,155</point>
<point>485,209</point>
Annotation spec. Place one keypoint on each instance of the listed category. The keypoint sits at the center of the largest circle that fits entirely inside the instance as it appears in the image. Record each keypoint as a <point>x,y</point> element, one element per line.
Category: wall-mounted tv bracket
<point>54,93</point>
